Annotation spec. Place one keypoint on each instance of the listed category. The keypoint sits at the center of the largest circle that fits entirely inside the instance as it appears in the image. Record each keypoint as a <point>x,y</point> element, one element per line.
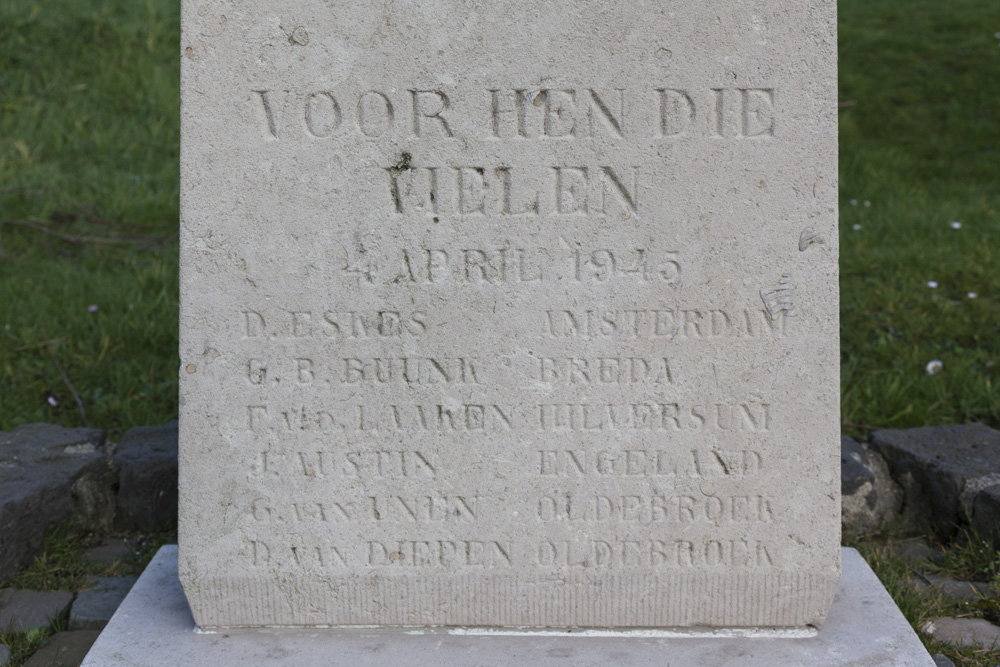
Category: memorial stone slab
<point>509,314</point>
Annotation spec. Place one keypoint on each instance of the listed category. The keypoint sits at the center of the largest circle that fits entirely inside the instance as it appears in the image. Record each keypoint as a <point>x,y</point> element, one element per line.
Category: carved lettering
<point>297,556</point>
<point>320,324</point>
<point>470,190</point>
<point>694,464</point>
<point>323,115</point>
<point>618,554</point>
<point>715,510</point>
<point>604,370</point>
<point>653,417</point>
<point>442,554</point>
<point>540,114</point>
<point>676,324</point>
<point>444,418</point>
<point>429,104</point>
<point>411,371</point>
<point>424,509</point>
<point>338,464</point>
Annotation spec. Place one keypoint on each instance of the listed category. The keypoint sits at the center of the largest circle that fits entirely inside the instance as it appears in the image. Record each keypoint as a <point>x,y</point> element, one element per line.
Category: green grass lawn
<point>88,212</point>
<point>920,150</point>
<point>89,190</point>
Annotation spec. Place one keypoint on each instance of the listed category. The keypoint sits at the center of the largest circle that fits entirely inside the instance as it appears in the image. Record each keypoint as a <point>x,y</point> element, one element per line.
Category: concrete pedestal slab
<point>154,627</point>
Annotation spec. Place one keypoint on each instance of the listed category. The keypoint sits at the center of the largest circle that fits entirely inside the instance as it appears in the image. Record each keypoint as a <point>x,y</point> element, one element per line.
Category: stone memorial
<point>509,314</point>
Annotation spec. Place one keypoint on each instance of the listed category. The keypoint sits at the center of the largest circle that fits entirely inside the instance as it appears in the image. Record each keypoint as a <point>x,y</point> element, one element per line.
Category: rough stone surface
<point>147,478</point>
<point>986,511</point>
<point>941,660</point>
<point>4,655</point>
<point>942,470</point>
<point>951,589</point>
<point>50,474</point>
<point>110,551</point>
<point>869,496</point>
<point>22,609</point>
<point>64,649</point>
<point>154,627</point>
<point>974,632</point>
<point>492,307</point>
<point>916,550</point>
<point>95,606</point>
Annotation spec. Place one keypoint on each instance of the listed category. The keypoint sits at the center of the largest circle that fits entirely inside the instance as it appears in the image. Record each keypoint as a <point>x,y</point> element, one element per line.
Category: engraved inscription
<point>337,464</point>
<point>497,266</point>
<point>320,324</point>
<point>440,554</point>
<point>542,114</point>
<point>604,370</point>
<point>653,417</point>
<point>716,510</point>
<point>478,190</point>
<point>311,556</point>
<point>693,464</point>
<point>513,265</point>
<point>603,265</point>
<point>444,418</point>
<point>412,370</point>
<point>424,509</point>
<point>556,113</point>
<point>673,324</point>
<point>677,112</point>
<point>403,371</point>
<point>392,509</point>
<point>654,554</point>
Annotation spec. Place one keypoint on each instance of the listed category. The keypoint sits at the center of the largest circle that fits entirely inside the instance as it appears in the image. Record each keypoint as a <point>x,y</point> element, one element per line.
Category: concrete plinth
<point>154,627</point>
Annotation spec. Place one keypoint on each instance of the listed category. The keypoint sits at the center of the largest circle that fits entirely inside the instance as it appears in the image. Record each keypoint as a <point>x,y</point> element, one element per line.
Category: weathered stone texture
<point>110,551</point>
<point>489,309</point>
<point>154,627</point>
<point>986,511</point>
<point>869,495</point>
<point>965,632</point>
<point>48,475</point>
<point>942,471</point>
<point>147,478</point>
<point>64,649</point>
<point>25,609</point>
<point>94,606</point>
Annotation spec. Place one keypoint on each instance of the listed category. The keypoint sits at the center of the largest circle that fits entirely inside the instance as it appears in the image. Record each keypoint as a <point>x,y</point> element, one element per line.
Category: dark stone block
<point>94,607</point>
<point>941,660</point>
<point>942,469</point>
<point>22,610</point>
<point>48,475</point>
<point>64,649</point>
<point>146,459</point>
<point>110,551</point>
<point>986,512</point>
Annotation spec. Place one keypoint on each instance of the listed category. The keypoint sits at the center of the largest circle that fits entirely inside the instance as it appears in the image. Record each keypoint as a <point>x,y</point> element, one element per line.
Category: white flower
<point>867,203</point>
<point>934,367</point>
<point>856,227</point>
<point>52,401</point>
<point>972,295</point>
<point>956,225</point>
<point>92,308</point>
<point>854,202</point>
<point>932,284</point>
